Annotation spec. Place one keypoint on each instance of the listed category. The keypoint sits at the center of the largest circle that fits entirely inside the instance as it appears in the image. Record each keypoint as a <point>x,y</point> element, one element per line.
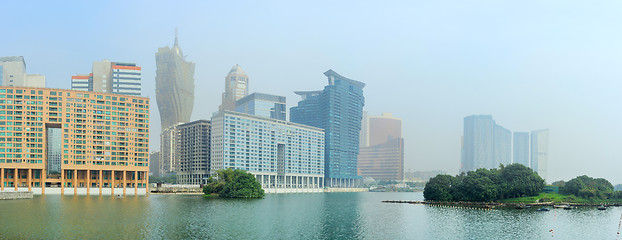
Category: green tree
<point>438,188</point>
<point>234,184</point>
<point>587,187</point>
<point>481,185</point>
<point>243,185</point>
<point>519,181</point>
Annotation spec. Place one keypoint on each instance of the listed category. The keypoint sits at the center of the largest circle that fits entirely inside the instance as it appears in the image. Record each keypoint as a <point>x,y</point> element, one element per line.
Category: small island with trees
<point>233,184</point>
<point>517,184</point>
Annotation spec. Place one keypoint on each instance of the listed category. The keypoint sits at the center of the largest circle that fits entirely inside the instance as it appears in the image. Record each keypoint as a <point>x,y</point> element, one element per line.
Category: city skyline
<point>544,70</point>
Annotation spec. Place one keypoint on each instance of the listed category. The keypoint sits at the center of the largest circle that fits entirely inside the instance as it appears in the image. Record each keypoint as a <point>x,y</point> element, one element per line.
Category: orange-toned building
<point>57,141</point>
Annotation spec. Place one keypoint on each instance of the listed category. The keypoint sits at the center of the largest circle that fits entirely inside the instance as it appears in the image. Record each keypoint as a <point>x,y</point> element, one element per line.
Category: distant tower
<point>13,73</point>
<point>485,144</point>
<point>265,105</point>
<point>521,148</point>
<point>236,87</point>
<point>174,85</point>
<point>540,152</point>
<point>381,156</point>
<point>110,77</point>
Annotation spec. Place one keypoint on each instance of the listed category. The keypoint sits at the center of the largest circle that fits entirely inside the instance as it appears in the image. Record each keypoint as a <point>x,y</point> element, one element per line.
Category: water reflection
<point>289,216</point>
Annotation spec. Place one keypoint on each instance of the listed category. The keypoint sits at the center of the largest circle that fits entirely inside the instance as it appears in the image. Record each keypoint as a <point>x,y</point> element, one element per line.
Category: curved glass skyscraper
<point>174,86</point>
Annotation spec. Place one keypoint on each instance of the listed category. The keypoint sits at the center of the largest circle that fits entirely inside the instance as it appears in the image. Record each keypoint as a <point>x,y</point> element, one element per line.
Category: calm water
<point>289,216</point>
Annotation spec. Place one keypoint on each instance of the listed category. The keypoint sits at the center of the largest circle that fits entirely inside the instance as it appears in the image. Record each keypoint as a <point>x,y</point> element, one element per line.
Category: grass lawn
<point>558,198</point>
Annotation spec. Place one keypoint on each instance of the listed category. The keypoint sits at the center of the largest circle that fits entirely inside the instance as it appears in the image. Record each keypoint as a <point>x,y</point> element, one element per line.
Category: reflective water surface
<point>289,216</point>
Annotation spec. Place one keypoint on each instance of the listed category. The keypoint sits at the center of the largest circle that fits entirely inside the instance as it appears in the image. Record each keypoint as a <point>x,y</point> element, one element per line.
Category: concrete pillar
<point>62,181</point>
<point>15,175</point>
<point>147,182</point>
<point>112,185</point>
<point>88,182</point>
<point>75,182</point>
<point>262,184</point>
<point>30,179</point>
<point>43,177</point>
<point>135,183</point>
<point>124,182</point>
<point>100,182</point>
<point>1,179</point>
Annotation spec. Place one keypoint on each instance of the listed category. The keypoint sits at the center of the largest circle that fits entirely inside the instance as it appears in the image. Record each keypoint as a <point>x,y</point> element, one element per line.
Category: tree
<point>587,187</point>
<point>481,185</point>
<point>519,181</point>
<point>484,185</point>
<point>243,185</point>
<point>439,188</point>
<point>234,184</point>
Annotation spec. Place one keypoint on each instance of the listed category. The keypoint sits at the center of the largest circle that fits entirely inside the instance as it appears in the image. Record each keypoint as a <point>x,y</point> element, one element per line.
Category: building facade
<point>502,146</point>
<point>282,155</point>
<point>236,87</point>
<point>540,152</point>
<point>265,105</point>
<point>13,73</point>
<point>102,141</point>
<point>174,86</point>
<point>521,148</point>
<point>477,142</point>
<point>110,77</point>
<point>193,152</point>
<point>382,155</point>
<point>169,139</point>
<point>337,109</point>
<point>485,144</point>
<point>154,164</point>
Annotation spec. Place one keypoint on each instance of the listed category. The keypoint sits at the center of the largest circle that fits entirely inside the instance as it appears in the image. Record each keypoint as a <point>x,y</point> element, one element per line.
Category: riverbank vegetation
<point>234,184</point>
<point>484,185</point>
<point>580,190</point>
<point>516,183</point>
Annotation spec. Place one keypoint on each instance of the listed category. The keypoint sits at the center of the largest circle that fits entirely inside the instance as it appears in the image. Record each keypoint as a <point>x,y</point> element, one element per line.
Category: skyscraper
<point>236,87</point>
<point>110,77</point>
<point>485,144</point>
<point>265,105</point>
<point>382,157</point>
<point>502,146</point>
<point>174,86</point>
<point>477,142</point>
<point>13,73</point>
<point>540,152</point>
<point>521,148</point>
<point>193,152</point>
<point>337,109</point>
<point>169,140</point>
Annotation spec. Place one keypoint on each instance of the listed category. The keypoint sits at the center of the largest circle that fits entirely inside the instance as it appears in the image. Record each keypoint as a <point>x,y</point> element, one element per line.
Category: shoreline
<point>499,204</point>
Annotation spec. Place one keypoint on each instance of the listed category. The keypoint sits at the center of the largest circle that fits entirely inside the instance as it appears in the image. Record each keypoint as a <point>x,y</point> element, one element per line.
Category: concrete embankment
<point>346,189</point>
<point>15,195</point>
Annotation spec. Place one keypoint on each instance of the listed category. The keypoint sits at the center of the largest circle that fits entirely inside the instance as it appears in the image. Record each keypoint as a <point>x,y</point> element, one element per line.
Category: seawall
<point>15,195</point>
<point>346,189</point>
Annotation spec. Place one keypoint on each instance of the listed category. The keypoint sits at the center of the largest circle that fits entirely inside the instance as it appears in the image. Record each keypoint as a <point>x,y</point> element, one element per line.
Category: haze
<point>530,64</point>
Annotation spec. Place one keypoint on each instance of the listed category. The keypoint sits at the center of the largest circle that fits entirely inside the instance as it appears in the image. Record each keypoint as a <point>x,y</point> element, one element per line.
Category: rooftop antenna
<point>176,36</point>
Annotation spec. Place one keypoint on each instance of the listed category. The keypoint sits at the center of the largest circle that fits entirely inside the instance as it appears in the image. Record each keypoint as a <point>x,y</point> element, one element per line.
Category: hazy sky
<point>530,64</point>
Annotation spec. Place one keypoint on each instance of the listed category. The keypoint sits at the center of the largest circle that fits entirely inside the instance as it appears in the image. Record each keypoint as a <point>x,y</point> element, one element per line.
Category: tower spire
<point>176,37</point>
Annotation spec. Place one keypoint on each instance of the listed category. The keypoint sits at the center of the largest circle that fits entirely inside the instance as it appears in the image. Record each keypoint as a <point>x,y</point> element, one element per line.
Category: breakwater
<point>15,195</point>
